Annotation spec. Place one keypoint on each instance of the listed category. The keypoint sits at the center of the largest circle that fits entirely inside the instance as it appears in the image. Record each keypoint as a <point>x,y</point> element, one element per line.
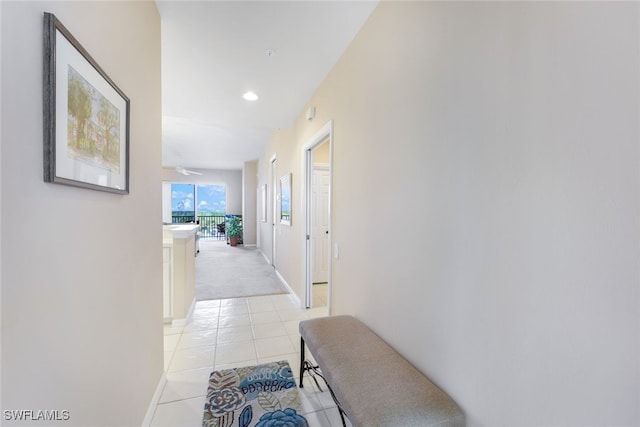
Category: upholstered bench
<point>372,384</point>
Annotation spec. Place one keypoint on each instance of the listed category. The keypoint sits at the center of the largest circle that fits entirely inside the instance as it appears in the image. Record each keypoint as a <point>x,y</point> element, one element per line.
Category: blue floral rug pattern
<point>255,396</point>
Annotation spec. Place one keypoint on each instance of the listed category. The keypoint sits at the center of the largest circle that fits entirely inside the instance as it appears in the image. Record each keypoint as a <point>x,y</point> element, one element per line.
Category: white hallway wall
<point>81,269</point>
<point>497,144</point>
<point>249,202</point>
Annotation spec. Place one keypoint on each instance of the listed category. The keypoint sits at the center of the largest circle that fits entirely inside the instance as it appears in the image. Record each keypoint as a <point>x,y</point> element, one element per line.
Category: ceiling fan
<point>184,171</point>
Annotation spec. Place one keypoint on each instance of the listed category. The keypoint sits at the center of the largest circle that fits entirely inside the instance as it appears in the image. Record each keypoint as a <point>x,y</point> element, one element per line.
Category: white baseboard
<point>286,285</point>
<point>146,422</point>
<point>183,322</point>
<point>265,256</point>
<point>191,308</point>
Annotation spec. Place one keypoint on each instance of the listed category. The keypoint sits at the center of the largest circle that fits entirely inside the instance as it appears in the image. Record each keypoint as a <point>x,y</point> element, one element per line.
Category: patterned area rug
<point>255,396</point>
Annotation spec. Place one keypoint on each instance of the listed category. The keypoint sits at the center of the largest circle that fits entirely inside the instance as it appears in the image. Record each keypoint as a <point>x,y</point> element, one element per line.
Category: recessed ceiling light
<point>250,96</point>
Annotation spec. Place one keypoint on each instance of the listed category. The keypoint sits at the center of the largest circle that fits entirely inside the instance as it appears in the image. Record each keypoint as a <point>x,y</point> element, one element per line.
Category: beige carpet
<point>224,272</point>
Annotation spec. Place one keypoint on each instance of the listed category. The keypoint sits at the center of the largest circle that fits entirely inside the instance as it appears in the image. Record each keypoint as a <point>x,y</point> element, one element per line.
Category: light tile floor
<point>230,333</point>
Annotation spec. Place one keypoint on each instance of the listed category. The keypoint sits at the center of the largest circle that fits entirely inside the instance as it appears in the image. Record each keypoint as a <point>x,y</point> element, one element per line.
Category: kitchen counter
<point>179,251</point>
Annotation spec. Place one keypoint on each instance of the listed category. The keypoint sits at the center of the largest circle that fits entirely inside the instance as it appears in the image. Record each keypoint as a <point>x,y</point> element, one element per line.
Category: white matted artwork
<point>263,203</point>
<point>86,135</point>
<point>285,199</point>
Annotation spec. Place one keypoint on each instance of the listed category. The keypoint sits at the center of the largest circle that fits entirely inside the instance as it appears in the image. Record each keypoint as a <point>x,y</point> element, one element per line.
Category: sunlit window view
<point>211,200</point>
<point>182,203</point>
<point>204,204</point>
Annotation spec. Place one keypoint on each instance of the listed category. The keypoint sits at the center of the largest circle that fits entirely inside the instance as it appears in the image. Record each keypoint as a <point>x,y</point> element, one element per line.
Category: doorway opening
<point>318,182</point>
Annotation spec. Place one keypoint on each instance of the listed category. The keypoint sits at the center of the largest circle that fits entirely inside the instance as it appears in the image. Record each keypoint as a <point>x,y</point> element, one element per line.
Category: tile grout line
<point>276,306</point>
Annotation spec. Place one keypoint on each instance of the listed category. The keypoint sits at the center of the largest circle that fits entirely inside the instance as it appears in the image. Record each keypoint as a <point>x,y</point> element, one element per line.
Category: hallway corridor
<point>230,333</point>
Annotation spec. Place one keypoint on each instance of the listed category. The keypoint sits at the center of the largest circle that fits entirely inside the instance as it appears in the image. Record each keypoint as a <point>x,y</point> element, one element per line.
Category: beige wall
<point>289,257</point>
<point>498,142</point>
<point>249,202</point>
<point>81,269</point>
<point>321,154</point>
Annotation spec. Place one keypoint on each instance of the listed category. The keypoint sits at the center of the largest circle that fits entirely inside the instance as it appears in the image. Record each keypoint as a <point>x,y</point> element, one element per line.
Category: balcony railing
<point>182,219</point>
<point>211,226</point>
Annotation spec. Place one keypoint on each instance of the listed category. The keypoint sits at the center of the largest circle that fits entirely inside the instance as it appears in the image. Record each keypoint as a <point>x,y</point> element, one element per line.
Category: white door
<point>320,225</point>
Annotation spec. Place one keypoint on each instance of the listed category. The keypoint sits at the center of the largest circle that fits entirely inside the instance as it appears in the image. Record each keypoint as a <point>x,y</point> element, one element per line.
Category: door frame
<point>324,134</point>
<point>274,206</point>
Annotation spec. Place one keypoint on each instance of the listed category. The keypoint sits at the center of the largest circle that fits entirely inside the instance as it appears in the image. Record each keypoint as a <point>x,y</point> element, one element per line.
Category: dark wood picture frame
<point>86,117</point>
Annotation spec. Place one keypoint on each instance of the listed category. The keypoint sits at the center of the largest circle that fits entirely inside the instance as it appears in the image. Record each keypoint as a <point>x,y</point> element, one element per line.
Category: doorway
<point>320,231</point>
<point>318,179</point>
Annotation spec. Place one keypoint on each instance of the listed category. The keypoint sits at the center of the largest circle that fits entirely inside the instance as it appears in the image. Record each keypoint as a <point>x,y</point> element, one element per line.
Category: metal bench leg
<point>314,371</point>
<point>302,367</point>
<point>305,365</point>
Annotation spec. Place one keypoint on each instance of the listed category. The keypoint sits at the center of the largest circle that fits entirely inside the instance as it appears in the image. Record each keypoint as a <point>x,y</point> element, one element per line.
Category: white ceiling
<point>214,51</point>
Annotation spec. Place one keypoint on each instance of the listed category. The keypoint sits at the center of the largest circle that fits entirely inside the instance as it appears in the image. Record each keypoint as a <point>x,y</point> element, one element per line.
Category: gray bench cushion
<point>374,384</point>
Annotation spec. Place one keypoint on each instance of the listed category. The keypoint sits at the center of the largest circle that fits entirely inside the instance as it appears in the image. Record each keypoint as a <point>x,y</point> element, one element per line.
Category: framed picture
<point>86,117</point>
<point>285,200</point>
<point>263,201</point>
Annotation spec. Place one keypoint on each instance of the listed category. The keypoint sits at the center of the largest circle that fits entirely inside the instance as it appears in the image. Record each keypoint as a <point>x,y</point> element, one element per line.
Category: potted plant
<point>234,229</point>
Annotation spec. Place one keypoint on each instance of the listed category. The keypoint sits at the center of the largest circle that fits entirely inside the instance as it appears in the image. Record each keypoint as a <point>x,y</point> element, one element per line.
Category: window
<point>212,200</point>
<point>183,203</point>
<point>206,204</point>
